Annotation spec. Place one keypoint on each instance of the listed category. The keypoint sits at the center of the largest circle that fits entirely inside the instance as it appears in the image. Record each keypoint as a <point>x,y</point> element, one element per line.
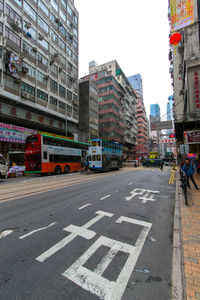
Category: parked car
<point>3,167</point>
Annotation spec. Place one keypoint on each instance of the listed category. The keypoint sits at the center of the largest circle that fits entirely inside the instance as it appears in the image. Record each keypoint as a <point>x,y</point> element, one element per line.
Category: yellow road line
<point>172,177</point>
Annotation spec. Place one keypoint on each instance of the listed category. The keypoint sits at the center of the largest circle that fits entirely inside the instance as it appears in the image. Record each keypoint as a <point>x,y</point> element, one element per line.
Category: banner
<point>182,14</point>
<point>156,126</point>
<point>192,137</point>
<point>14,134</point>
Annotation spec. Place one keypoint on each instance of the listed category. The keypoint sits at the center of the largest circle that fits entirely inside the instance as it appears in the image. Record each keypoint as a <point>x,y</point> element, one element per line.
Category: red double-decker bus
<point>51,154</point>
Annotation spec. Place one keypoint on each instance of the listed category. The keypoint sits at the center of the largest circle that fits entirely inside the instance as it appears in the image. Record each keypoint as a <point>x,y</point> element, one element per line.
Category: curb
<point>177,292</point>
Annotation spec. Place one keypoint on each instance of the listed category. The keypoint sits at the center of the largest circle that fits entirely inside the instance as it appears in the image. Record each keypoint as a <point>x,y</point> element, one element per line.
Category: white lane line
<point>107,196</point>
<point>85,205</point>
<point>5,233</point>
<point>36,230</point>
<point>71,236</point>
<point>130,183</point>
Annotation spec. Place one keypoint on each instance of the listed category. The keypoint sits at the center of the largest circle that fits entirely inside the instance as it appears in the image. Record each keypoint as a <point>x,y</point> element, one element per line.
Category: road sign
<point>157,126</point>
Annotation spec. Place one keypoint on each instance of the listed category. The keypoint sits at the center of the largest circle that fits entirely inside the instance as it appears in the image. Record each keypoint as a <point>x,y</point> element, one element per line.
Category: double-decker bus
<point>52,154</point>
<point>104,155</point>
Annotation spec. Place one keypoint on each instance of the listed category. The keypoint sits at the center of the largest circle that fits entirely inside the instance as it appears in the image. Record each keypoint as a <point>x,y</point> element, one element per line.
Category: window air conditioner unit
<point>57,20</point>
<point>40,37</point>
<point>46,77</point>
<point>28,25</point>
<point>17,80</point>
<point>60,69</point>
<point>25,95</point>
<point>34,49</point>
<point>55,55</point>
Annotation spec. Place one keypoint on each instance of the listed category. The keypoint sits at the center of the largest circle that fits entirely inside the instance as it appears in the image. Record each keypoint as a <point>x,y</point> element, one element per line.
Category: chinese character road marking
<point>92,281</point>
<point>74,233</point>
<point>145,198</point>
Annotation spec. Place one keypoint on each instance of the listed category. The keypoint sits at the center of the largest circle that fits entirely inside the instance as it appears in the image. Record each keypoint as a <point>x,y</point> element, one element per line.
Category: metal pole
<point>66,120</point>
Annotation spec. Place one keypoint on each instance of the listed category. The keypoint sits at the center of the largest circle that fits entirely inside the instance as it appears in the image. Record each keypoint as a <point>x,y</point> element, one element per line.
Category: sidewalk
<point>189,231</point>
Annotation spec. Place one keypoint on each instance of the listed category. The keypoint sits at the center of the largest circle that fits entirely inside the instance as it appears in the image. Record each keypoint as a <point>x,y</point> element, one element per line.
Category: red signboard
<point>193,137</point>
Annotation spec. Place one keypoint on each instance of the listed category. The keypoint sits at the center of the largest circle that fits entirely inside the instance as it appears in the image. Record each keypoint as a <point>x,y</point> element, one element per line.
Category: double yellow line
<point>172,177</point>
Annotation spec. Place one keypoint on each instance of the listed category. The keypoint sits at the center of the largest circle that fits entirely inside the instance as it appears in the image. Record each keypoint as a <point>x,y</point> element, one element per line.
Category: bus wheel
<point>67,169</point>
<point>57,170</point>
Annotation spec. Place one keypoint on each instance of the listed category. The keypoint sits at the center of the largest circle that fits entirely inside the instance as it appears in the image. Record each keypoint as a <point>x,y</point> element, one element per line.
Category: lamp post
<point>66,120</point>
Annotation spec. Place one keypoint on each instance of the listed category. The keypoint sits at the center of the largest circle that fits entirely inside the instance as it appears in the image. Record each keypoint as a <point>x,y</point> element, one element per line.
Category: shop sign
<point>182,14</point>
<point>194,92</point>
<point>14,134</point>
<point>191,155</point>
<point>192,137</point>
<point>170,141</point>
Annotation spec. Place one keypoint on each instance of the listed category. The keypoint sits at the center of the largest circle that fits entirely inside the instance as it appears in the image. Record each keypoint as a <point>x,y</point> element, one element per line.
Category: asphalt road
<point>108,238</point>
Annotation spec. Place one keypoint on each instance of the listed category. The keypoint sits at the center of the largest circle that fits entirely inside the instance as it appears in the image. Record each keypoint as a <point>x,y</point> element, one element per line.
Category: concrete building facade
<point>127,102</point>
<point>39,65</point>
<point>185,74</point>
<point>88,111</point>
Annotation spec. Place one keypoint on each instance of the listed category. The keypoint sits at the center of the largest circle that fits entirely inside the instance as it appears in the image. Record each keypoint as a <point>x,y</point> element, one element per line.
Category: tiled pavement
<point>190,241</point>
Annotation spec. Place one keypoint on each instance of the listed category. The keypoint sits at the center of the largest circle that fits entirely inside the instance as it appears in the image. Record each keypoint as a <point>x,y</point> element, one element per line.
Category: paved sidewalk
<point>190,240</point>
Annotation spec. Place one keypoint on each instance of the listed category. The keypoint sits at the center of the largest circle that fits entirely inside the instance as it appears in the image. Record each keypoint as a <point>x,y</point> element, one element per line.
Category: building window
<point>75,45</point>
<point>75,32</point>
<point>28,49</point>
<point>64,3</point>
<point>42,95</point>
<point>69,10</point>
<point>75,58</point>
<point>30,33</point>
<point>62,59</point>
<point>69,52</point>
<point>54,36</point>
<point>12,36</point>
<point>9,81</point>
<point>62,15</point>
<point>75,97</point>
<point>62,30</point>
<point>54,69</point>
<point>69,108</point>
<point>42,59</point>
<point>69,95</point>
<point>62,105</point>
<point>44,44</point>
<point>54,5</point>
<point>62,45</point>
<point>42,77</point>
<point>30,11</point>
<point>53,85</point>
<point>53,101</point>
<point>75,111</point>
<point>43,25</point>
<point>69,38</point>
<point>19,2</point>
<point>53,19</point>
<point>31,70</point>
<point>62,91</point>
<point>43,8</point>
<point>28,88</point>
<point>13,15</point>
<point>1,28</point>
<point>63,75</point>
<point>1,5</point>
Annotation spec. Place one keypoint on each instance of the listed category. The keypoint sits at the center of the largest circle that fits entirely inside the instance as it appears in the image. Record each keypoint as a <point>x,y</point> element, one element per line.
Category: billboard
<point>168,141</point>
<point>182,14</point>
<point>192,137</point>
<point>194,92</point>
<point>156,126</point>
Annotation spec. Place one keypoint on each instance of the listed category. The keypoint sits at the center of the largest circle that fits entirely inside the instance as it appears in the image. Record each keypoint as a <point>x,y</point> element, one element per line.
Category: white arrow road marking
<point>85,205</point>
<point>107,196</point>
<point>5,233</point>
<point>92,281</point>
<point>36,230</point>
<point>73,235</point>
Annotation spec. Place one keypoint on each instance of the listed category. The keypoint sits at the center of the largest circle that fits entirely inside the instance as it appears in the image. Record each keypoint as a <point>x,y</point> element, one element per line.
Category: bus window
<point>31,139</point>
<point>45,155</point>
<point>99,157</point>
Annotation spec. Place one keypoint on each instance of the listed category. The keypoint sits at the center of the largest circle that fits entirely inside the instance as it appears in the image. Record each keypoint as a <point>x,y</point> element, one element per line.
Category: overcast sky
<point>136,34</point>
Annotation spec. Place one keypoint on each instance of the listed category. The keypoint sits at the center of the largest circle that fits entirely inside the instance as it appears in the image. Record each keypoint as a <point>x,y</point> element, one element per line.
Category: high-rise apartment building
<point>39,65</point>
<point>141,150</point>
<point>88,110</point>
<point>155,110</point>
<point>127,102</point>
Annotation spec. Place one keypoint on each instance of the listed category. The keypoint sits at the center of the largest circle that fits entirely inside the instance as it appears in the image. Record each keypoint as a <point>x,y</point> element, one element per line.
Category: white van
<point>3,167</point>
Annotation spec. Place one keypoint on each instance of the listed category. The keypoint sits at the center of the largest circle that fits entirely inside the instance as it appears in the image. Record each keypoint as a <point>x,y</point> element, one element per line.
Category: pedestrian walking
<point>161,164</point>
<point>188,169</point>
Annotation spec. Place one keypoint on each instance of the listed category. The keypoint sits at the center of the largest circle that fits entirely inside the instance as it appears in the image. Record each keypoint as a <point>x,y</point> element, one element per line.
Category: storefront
<point>192,138</point>
<point>12,142</point>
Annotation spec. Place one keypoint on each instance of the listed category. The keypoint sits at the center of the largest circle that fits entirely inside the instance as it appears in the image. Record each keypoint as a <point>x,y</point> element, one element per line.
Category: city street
<point>99,236</point>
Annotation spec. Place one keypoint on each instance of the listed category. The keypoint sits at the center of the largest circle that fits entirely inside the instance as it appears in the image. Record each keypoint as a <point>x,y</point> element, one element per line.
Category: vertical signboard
<point>194,92</point>
<point>182,14</point>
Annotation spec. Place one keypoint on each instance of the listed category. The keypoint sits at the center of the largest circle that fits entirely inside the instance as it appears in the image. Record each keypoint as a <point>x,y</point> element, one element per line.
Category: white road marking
<point>140,192</point>
<point>36,230</point>
<point>85,205</point>
<point>92,281</point>
<point>83,232</point>
<point>107,196</point>
<point>72,236</point>
<point>5,233</point>
<point>130,183</point>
